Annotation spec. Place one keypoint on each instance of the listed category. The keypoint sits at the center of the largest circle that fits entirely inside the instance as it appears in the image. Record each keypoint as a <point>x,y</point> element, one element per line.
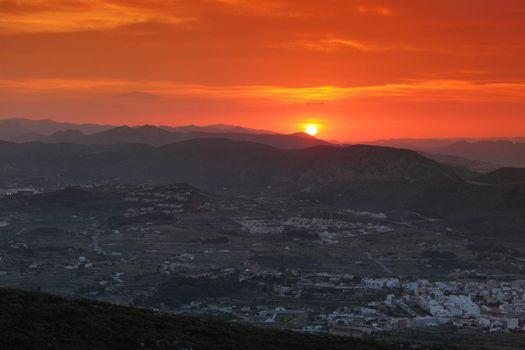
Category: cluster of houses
<point>326,228</point>
<point>492,305</point>
<point>5,192</point>
<point>81,262</point>
<point>180,261</point>
<point>168,200</point>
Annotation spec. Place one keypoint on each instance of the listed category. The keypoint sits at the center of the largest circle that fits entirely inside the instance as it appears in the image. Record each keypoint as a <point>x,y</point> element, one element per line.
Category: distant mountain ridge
<point>491,152</point>
<point>427,144</point>
<point>13,130</point>
<point>477,155</point>
<point>157,136</point>
<point>215,129</point>
<point>40,128</point>
<point>499,152</point>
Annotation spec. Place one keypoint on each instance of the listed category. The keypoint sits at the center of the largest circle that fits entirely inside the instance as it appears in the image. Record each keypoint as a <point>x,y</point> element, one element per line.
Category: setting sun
<point>311,130</point>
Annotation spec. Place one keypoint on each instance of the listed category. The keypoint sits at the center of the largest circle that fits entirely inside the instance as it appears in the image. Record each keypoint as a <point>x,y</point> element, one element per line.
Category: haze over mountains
<point>478,155</point>
<point>12,128</point>
<point>365,177</point>
<point>445,181</point>
<point>23,130</point>
<point>215,164</point>
<point>271,175</point>
<point>498,152</point>
<point>493,152</point>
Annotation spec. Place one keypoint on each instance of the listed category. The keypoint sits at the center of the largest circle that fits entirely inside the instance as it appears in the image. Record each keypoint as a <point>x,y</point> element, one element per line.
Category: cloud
<point>137,95</point>
<point>336,44</point>
<point>375,10</point>
<point>30,16</point>
<point>417,90</point>
<point>266,8</point>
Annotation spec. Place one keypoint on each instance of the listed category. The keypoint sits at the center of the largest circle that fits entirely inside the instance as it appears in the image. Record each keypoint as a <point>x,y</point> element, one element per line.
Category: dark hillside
<point>503,176</point>
<point>40,321</point>
<point>215,164</point>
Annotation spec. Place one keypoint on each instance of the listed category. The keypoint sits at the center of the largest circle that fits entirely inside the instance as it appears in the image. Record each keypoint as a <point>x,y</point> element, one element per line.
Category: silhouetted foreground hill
<point>41,321</point>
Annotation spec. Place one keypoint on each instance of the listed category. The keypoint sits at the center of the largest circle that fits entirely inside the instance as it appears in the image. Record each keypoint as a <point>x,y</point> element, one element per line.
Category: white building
<point>512,323</point>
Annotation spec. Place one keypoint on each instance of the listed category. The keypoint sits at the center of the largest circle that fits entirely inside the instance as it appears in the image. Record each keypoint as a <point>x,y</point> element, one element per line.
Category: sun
<point>311,129</point>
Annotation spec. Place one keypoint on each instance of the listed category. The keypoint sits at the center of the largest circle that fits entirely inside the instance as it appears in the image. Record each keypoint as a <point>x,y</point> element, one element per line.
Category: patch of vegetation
<point>444,259</point>
<point>282,261</point>
<point>181,290</point>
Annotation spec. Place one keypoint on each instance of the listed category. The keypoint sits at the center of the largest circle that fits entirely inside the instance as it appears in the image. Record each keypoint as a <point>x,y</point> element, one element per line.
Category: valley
<point>279,262</point>
<point>361,241</point>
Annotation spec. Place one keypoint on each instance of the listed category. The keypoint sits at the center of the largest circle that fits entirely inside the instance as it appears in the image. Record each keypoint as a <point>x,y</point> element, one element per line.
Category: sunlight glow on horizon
<point>356,72</point>
<point>311,129</point>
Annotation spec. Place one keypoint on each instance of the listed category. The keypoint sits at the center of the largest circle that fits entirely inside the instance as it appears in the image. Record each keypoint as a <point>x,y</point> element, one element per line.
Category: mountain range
<point>46,127</point>
<point>215,164</point>
<point>362,177</point>
<point>480,155</point>
<point>427,144</point>
<point>24,130</point>
<point>502,152</point>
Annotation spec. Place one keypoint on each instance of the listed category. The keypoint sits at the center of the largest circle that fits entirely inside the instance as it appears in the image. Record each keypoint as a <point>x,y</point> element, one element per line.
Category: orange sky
<point>363,69</point>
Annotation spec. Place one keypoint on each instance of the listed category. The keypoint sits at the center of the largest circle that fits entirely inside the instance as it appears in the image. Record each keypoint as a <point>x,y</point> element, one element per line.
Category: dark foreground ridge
<point>40,321</point>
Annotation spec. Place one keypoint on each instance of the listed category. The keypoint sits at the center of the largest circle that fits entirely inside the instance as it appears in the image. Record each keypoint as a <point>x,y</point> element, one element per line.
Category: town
<point>286,263</point>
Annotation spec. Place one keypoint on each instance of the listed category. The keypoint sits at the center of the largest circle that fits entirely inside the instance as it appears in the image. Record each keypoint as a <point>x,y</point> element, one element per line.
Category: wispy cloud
<point>375,10</point>
<point>336,44</point>
<point>451,90</point>
<point>266,8</point>
<point>29,16</point>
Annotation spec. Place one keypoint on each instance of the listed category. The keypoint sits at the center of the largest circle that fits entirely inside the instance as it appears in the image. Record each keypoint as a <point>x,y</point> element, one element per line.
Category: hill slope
<point>502,152</point>
<point>363,177</point>
<point>503,176</point>
<point>40,321</point>
<point>214,164</point>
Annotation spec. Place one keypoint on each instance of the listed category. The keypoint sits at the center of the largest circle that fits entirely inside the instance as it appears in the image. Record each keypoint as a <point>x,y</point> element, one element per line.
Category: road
<point>96,246</point>
<point>383,266</point>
